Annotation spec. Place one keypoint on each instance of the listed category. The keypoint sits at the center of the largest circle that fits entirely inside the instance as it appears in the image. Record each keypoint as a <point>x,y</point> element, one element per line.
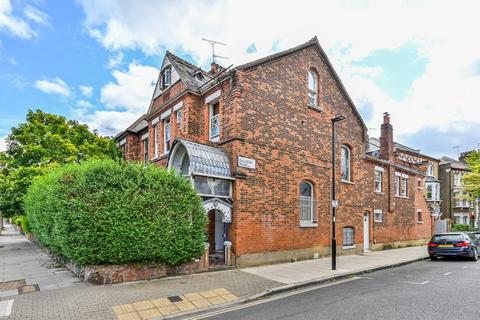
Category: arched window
<point>308,216</point>
<point>312,88</point>
<point>345,163</point>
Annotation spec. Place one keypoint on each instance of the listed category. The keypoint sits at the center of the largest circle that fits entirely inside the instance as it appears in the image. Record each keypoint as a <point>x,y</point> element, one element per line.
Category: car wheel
<point>475,255</point>
<point>433,258</point>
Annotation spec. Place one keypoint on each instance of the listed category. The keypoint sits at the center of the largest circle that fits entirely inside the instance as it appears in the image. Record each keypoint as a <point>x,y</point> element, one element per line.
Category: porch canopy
<point>208,168</point>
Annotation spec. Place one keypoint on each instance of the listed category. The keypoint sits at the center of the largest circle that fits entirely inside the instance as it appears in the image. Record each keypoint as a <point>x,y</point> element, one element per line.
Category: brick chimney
<point>386,138</point>
<point>215,68</point>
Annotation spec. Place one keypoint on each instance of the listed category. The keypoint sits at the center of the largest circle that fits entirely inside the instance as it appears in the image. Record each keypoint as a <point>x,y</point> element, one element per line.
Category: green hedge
<point>105,212</point>
<point>462,227</point>
<point>22,221</point>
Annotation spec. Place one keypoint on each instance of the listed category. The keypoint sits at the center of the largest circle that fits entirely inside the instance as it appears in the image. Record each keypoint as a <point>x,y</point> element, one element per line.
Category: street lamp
<point>334,200</point>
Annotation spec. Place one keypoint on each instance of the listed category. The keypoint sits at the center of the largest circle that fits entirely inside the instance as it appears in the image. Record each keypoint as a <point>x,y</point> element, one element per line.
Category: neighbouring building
<point>255,142</point>
<point>403,178</point>
<point>457,205</point>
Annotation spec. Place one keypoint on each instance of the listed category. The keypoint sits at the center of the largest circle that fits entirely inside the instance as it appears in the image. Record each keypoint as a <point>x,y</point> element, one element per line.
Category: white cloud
<point>55,86</point>
<point>126,99</point>
<point>115,60</point>
<point>14,24</point>
<point>35,15</point>
<point>444,97</point>
<point>87,91</point>
<point>132,89</point>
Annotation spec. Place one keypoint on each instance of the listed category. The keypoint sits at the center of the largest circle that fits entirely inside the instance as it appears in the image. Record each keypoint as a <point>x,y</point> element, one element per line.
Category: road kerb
<point>320,280</point>
<point>294,286</point>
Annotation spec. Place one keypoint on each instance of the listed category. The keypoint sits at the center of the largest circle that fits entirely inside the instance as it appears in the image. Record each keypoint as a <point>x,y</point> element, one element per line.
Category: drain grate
<point>175,299</point>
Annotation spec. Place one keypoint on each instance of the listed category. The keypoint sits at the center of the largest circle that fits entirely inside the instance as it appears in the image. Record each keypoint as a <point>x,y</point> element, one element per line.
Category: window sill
<point>308,224</point>
<point>419,222</point>
<point>347,182</point>
<point>402,197</point>
<point>352,246</point>
<point>316,108</point>
<point>378,221</point>
<point>379,193</point>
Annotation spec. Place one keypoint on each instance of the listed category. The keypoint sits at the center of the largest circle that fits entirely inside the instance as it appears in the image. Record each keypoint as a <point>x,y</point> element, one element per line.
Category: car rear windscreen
<point>447,237</point>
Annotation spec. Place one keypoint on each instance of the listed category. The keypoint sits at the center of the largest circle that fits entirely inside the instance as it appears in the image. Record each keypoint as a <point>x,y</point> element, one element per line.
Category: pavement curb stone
<point>291,287</point>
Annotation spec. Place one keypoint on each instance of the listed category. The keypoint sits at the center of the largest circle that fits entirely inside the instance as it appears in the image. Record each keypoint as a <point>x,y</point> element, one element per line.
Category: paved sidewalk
<point>147,300</point>
<point>304,271</point>
<point>23,261</point>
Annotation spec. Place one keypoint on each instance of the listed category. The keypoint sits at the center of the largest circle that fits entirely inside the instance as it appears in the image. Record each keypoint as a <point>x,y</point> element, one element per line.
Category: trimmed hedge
<point>104,212</point>
<point>462,227</point>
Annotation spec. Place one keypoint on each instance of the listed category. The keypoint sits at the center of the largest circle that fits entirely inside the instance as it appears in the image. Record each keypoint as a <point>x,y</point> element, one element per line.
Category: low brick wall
<point>108,274</point>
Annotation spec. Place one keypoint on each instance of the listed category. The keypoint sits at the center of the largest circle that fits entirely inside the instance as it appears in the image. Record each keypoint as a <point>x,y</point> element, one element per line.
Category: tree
<point>42,142</point>
<point>471,180</point>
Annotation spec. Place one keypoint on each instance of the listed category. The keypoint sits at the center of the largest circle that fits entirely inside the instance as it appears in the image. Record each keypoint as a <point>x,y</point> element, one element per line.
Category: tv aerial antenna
<point>213,43</point>
<point>458,149</point>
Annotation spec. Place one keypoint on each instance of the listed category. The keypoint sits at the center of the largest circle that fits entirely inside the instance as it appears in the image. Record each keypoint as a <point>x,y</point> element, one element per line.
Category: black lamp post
<point>334,200</point>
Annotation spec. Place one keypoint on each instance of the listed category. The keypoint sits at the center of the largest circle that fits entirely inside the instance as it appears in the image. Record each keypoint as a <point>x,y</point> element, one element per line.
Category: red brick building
<point>255,141</point>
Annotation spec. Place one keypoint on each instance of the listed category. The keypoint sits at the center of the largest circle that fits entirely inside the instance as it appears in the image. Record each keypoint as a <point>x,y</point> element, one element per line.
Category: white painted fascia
<point>166,114</point>
<point>213,96</point>
<point>178,106</point>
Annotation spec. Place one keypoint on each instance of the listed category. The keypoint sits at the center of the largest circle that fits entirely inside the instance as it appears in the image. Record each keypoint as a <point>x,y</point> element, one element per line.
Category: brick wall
<point>264,115</point>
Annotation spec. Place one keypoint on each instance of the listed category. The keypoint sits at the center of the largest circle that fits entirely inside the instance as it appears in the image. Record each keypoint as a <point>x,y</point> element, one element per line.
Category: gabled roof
<point>187,72</point>
<point>137,126</point>
<point>454,164</point>
<point>311,43</point>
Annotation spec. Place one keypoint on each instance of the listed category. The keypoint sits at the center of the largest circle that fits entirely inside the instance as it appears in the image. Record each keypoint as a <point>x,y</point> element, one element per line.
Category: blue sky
<point>95,60</point>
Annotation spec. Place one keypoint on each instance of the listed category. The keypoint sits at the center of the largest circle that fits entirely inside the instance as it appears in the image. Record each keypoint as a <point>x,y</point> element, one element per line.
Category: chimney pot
<point>386,117</point>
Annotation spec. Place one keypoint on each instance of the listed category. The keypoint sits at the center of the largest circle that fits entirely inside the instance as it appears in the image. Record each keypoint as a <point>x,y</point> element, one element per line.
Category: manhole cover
<point>12,285</point>
<point>28,289</point>
<point>175,299</point>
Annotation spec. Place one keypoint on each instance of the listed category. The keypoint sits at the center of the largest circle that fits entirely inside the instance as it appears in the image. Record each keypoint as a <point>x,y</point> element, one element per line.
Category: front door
<point>366,232</point>
<point>219,230</point>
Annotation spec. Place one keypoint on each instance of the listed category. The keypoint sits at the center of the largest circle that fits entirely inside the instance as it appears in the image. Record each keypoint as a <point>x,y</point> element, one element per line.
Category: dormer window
<point>166,75</point>
<point>199,76</point>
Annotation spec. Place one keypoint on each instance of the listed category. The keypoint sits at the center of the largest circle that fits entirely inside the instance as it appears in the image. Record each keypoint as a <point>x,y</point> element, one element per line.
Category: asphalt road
<point>443,289</point>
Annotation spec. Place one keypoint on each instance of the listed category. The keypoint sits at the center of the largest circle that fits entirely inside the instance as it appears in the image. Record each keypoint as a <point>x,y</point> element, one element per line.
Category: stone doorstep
<point>174,306</point>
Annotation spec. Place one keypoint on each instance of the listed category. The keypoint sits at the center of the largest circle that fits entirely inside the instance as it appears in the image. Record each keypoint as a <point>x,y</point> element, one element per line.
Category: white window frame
<point>347,244</point>
<point>179,119</point>
<point>166,142</point>
<point>308,208</point>
<point>155,139</point>
<point>213,121</point>
<point>378,215</point>
<point>404,191</point>
<point>312,88</point>
<point>379,173</point>
<point>419,215</point>
<point>401,185</point>
<point>166,75</point>
<point>430,169</point>
<point>347,163</point>
<point>145,151</point>
<point>457,179</point>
